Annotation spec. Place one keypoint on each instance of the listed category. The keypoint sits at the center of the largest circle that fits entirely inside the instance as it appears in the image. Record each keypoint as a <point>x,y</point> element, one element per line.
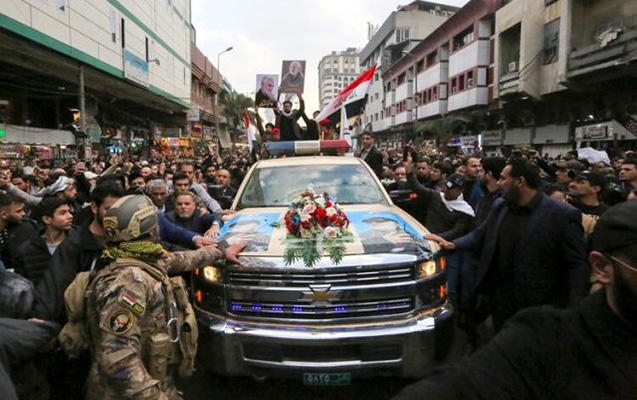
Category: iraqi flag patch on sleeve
<point>127,300</point>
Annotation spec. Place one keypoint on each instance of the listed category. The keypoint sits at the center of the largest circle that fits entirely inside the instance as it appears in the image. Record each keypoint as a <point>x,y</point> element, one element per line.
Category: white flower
<point>332,232</point>
<point>330,211</point>
<point>305,216</point>
<point>308,208</point>
<point>320,201</point>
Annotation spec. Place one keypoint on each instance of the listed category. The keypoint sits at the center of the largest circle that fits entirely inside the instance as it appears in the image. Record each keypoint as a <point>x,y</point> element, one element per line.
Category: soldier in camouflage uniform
<point>140,324</point>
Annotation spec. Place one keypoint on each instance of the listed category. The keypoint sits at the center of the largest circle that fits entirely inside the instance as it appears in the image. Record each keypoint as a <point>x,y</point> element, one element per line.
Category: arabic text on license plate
<point>317,379</point>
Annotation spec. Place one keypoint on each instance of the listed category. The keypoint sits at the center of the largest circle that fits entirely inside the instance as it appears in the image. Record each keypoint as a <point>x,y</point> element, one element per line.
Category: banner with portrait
<point>293,76</point>
<point>267,94</point>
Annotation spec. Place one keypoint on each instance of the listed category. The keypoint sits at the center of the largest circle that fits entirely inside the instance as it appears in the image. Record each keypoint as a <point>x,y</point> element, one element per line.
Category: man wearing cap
<point>585,191</point>
<point>588,352</point>
<point>448,216</point>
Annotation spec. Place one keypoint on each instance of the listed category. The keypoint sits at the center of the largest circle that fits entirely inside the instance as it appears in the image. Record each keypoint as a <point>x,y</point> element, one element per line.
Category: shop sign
<point>193,114</point>
<point>135,68</point>
<point>493,137</point>
<point>601,131</point>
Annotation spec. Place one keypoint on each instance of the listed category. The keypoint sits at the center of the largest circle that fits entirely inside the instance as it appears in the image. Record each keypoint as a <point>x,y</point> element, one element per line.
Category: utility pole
<point>81,140</point>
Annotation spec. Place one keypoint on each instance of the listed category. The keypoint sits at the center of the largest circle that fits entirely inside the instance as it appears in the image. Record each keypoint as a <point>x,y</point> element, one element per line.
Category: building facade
<point>401,31</point>
<point>335,71</point>
<point>123,66</point>
<point>505,74</point>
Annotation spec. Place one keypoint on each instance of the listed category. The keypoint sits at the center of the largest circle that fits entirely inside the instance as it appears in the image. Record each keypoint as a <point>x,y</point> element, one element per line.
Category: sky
<point>264,33</point>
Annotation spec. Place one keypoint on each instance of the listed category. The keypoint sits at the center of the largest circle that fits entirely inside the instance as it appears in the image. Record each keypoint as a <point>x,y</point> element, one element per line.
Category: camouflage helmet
<point>130,217</point>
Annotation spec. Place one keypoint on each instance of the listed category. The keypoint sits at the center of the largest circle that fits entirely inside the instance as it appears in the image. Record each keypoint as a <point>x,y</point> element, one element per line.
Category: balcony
<point>605,39</point>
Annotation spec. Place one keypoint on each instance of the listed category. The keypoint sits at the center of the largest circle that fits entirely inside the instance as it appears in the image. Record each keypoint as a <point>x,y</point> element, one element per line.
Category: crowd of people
<point>515,232</point>
<point>520,233</point>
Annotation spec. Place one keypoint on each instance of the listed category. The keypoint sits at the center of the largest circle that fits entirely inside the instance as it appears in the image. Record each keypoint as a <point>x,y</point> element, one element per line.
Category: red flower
<point>328,204</point>
<point>320,212</point>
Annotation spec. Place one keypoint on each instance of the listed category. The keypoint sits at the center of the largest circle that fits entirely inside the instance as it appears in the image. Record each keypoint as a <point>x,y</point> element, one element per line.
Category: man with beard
<point>287,120</point>
<point>189,217</point>
<point>531,248</point>
<point>588,352</point>
<point>585,192</point>
<point>491,170</point>
<point>13,231</point>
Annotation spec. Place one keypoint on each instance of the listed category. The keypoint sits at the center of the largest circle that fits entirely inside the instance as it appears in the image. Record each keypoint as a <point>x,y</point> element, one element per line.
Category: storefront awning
<point>29,135</point>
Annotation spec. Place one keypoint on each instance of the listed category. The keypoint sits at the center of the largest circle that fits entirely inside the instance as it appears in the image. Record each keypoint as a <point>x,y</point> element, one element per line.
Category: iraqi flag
<point>352,95</point>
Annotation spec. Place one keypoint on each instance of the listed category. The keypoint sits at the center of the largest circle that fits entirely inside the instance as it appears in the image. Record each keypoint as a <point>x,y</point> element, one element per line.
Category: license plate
<point>316,379</point>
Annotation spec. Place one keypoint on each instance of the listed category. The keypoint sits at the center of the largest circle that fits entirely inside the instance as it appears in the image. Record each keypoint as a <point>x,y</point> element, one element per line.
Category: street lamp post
<point>220,88</point>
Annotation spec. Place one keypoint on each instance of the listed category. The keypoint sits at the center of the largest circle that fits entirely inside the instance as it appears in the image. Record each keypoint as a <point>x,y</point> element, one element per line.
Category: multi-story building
<point>563,75</point>
<point>505,74</point>
<point>447,72</point>
<point>206,87</point>
<point>124,65</point>
<point>336,71</point>
<point>401,31</point>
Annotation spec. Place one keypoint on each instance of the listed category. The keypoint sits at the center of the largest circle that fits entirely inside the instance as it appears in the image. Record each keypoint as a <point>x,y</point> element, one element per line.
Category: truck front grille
<point>350,277</point>
<point>323,310</point>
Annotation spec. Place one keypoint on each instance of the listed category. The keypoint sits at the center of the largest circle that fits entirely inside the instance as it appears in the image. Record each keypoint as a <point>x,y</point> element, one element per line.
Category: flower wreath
<point>315,224</point>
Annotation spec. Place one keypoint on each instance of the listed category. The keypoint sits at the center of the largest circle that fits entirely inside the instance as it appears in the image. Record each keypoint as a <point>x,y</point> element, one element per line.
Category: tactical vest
<point>177,345</point>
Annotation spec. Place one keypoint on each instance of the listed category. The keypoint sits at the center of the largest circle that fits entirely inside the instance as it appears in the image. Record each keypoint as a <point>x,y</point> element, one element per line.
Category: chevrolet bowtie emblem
<point>320,294</point>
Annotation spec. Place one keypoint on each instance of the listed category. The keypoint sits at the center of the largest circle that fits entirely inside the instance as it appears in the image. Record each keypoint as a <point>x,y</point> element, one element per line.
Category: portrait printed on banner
<point>293,76</point>
<point>267,94</point>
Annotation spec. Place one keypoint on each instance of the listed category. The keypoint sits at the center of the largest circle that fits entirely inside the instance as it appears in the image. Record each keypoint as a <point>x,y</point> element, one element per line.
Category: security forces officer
<point>141,327</point>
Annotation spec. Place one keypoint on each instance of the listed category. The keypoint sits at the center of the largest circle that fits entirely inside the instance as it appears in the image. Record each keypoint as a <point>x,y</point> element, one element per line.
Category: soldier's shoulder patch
<point>129,301</point>
<point>121,321</point>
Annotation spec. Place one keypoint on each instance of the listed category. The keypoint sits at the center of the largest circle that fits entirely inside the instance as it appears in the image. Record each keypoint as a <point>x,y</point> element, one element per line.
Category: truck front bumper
<point>403,347</point>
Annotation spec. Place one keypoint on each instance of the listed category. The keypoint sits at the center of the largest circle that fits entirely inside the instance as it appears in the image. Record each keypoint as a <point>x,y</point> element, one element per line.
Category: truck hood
<point>376,230</point>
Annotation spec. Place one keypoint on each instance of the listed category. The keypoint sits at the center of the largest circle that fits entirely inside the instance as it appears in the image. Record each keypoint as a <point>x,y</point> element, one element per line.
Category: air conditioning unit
<point>513,66</point>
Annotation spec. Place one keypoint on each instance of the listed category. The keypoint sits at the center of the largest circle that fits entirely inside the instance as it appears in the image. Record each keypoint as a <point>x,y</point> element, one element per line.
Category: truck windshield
<point>278,186</point>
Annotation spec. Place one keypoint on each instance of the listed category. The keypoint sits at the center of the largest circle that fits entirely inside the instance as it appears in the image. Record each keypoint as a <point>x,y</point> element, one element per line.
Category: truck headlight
<point>426,269</point>
<point>209,273</point>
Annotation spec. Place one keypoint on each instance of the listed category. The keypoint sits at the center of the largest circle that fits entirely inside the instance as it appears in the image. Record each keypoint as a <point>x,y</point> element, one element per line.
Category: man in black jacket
<point>589,352</point>
<point>287,120</point>
<point>370,154</point>
<point>34,255</point>
<point>14,230</point>
<point>531,248</point>
<point>448,216</point>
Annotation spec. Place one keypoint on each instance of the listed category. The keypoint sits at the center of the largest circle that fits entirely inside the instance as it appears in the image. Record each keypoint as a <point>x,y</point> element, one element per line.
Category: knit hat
<point>616,228</point>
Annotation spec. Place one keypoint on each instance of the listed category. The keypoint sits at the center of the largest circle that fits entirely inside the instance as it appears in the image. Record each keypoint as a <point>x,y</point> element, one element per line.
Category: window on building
<point>432,58</point>
<point>454,85</point>
<point>551,41</point>
<point>434,93</point>
<point>113,25</point>
<point>420,65</point>
<point>401,78</point>
<point>375,116</point>
<point>402,34</point>
<point>463,38</point>
<point>470,82</point>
